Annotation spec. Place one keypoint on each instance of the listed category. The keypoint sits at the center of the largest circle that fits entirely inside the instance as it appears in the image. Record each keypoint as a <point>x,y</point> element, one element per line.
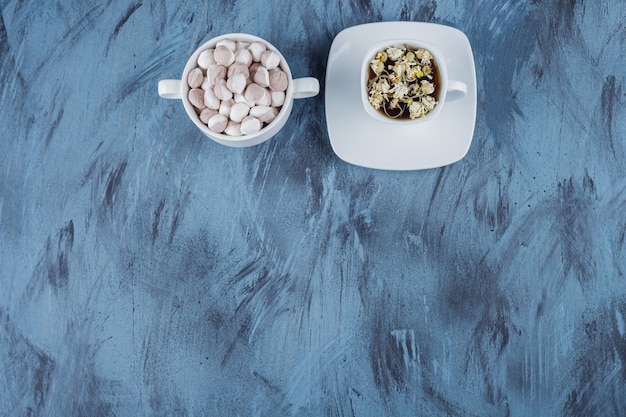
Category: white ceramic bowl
<point>297,88</point>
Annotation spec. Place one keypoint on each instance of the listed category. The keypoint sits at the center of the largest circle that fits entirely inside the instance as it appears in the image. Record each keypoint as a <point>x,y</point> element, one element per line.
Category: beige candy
<point>266,100</point>
<point>221,90</point>
<point>278,98</point>
<point>242,45</point>
<point>243,56</point>
<point>264,113</point>
<point>233,129</point>
<point>270,60</point>
<point>196,98</point>
<point>223,55</point>
<point>238,68</point>
<point>205,59</point>
<point>258,95</point>
<point>257,49</point>
<point>254,92</point>
<point>215,73</point>
<point>210,100</point>
<point>206,84</point>
<point>262,77</point>
<point>253,68</point>
<point>206,114</point>
<point>278,80</point>
<point>195,78</point>
<point>238,112</point>
<point>228,43</point>
<point>225,107</point>
<point>250,125</point>
<point>240,98</point>
<point>218,123</point>
<point>237,83</point>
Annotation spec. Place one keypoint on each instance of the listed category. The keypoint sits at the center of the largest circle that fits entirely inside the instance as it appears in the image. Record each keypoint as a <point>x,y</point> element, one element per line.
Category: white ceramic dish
<point>359,139</point>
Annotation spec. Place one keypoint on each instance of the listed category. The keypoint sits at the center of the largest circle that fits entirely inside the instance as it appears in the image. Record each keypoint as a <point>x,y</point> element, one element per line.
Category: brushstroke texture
<point>146,270</point>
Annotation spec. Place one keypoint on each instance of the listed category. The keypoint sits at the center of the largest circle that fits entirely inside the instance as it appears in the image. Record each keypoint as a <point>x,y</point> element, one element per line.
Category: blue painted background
<point>146,270</point>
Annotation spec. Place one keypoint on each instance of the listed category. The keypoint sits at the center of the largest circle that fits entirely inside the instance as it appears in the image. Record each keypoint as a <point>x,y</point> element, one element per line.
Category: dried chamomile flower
<point>383,86</point>
<point>416,110</point>
<point>399,90</point>
<point>395,53</point>
<point>429,102</point>
<point>377,66</point>
<point>424,56</point>
<point>376,100</point>
<point>399,68</point>
<point>427,87</point>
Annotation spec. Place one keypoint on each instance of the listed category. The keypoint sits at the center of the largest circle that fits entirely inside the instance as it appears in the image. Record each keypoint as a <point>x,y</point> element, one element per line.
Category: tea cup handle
<point>170,89</point>
<point>305,87</point>
<point>456,90</point>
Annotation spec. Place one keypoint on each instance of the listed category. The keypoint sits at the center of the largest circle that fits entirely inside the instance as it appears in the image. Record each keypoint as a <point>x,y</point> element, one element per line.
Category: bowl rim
<point>271,128</point>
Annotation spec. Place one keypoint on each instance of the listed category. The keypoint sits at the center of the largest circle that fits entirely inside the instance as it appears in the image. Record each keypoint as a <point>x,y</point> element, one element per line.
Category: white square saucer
<point>359,139</point>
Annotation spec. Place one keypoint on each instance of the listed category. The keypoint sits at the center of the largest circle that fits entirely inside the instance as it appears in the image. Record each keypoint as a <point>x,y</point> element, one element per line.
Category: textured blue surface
<point>146,270</point>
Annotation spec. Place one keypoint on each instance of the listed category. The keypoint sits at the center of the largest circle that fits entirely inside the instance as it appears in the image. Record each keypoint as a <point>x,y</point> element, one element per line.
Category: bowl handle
<point>170,89</point>
<point>305,87</point>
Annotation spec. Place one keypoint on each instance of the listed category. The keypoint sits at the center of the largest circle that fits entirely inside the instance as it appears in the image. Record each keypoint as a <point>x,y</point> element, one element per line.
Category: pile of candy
<point>237,88</point>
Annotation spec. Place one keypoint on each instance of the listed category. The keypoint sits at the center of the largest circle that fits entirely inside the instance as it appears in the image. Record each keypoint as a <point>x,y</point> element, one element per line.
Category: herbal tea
<point>403,82</point>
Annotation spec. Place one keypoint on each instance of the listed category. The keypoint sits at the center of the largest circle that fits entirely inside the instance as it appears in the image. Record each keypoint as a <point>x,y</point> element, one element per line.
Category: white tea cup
<point>445,89</point>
